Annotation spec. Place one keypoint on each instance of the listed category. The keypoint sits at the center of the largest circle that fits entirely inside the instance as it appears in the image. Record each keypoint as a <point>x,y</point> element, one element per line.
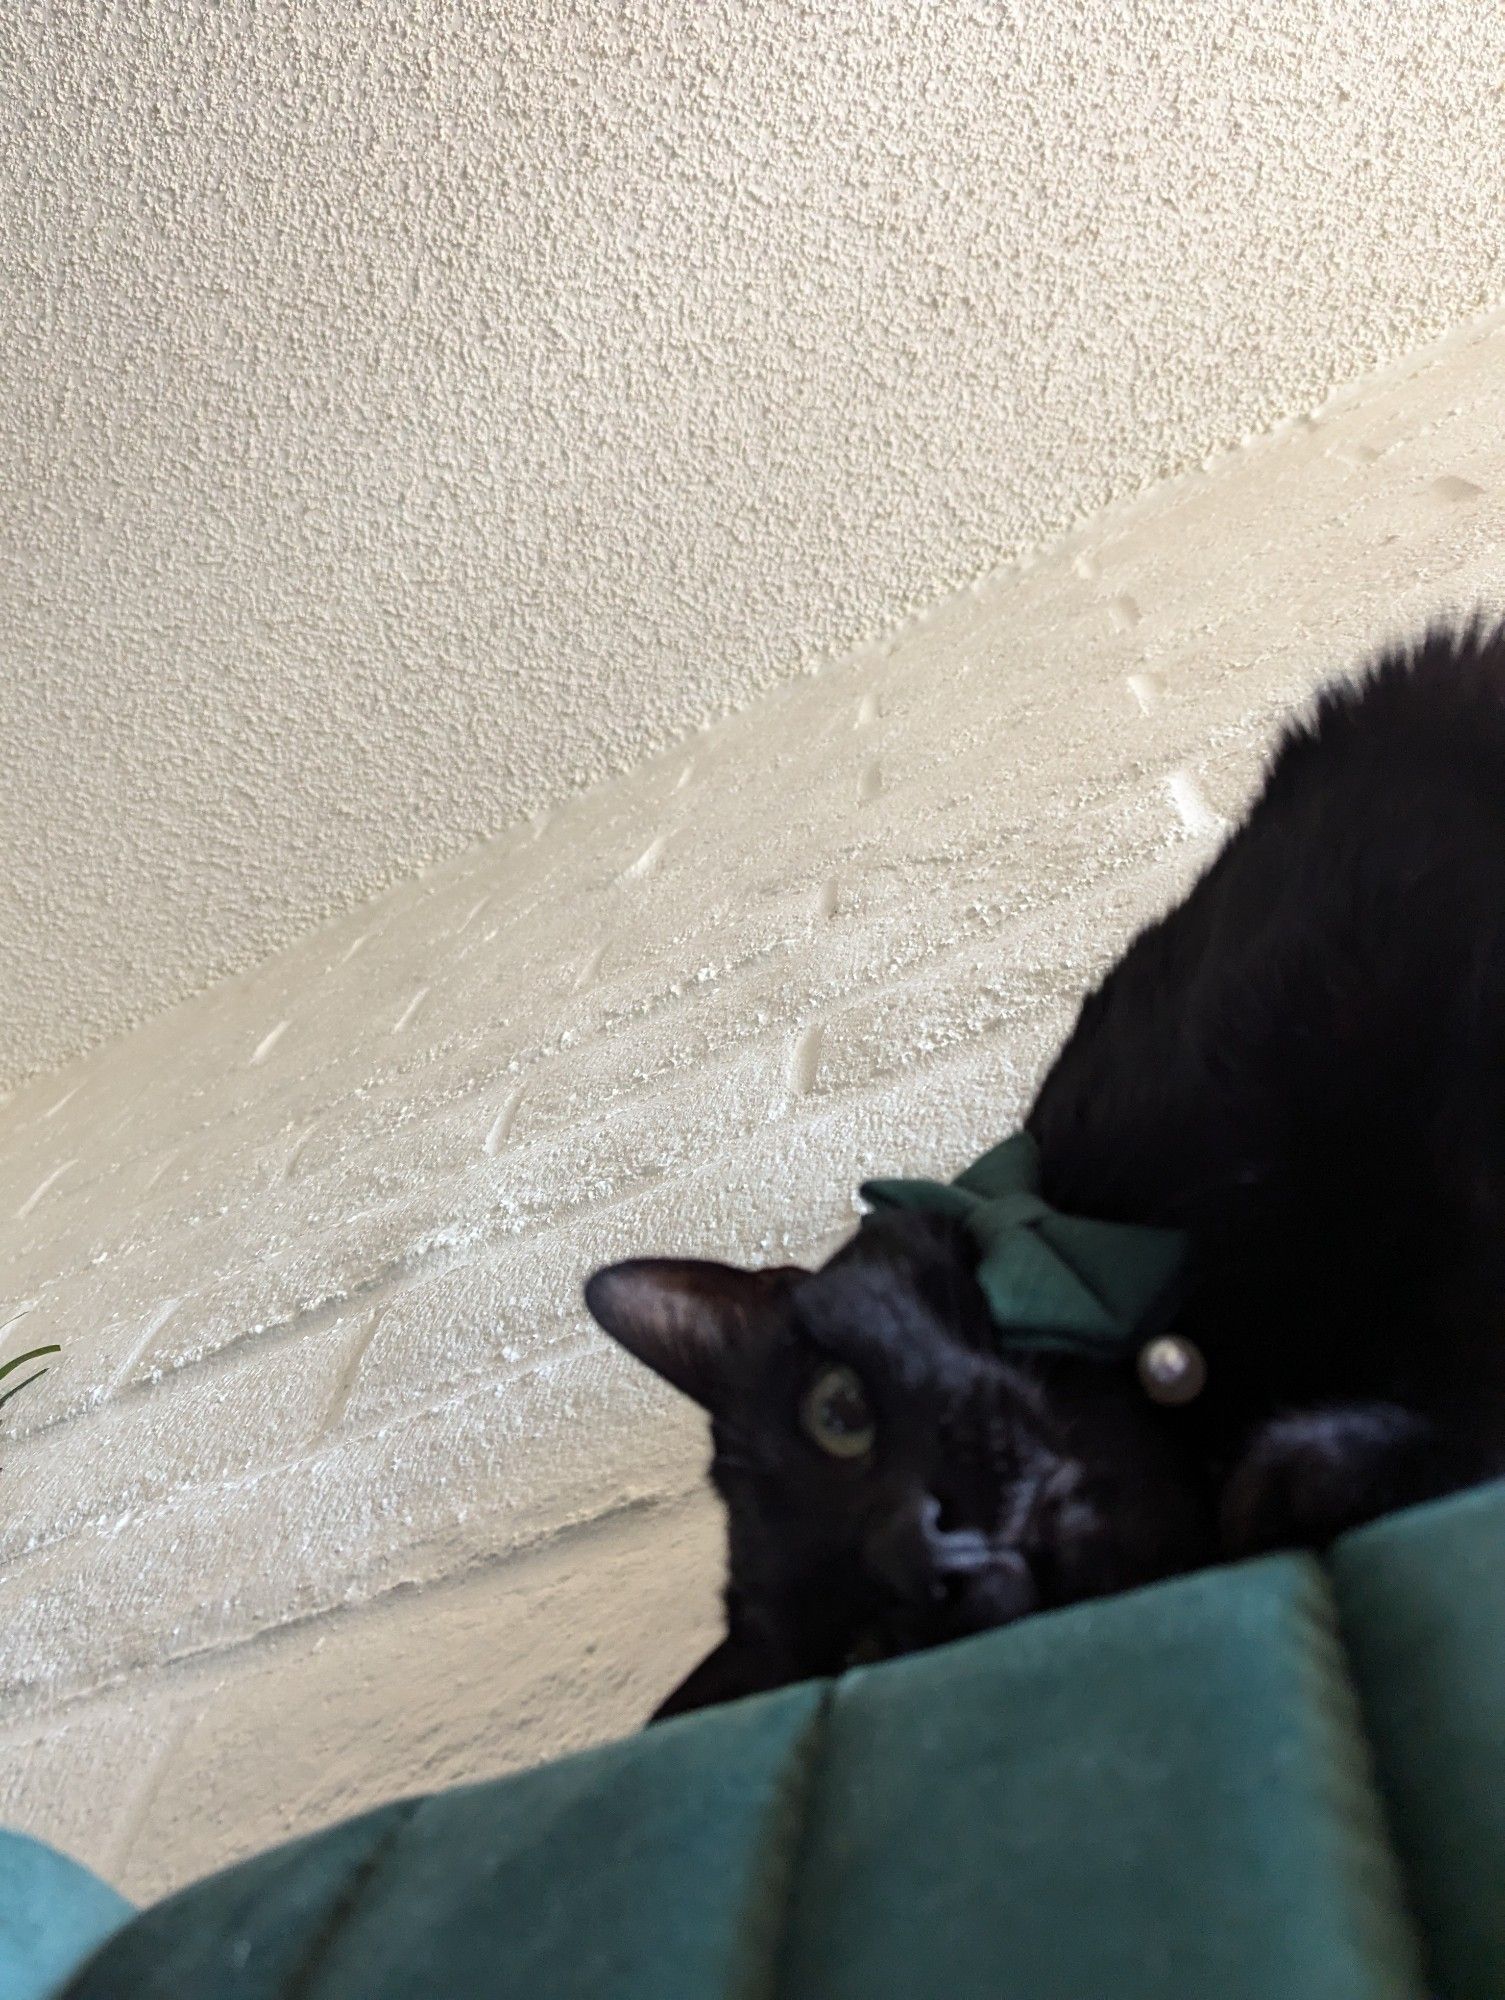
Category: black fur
<point>1303,1066</point>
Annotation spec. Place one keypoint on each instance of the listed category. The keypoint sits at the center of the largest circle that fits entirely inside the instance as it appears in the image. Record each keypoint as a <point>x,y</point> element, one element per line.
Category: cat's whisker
<point>964,1555</point>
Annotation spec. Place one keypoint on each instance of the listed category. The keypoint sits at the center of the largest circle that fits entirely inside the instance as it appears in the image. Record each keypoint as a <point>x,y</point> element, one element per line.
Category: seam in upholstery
<point>1373,1776</point>
<point>767,1975</point>
<point>299,1984</point>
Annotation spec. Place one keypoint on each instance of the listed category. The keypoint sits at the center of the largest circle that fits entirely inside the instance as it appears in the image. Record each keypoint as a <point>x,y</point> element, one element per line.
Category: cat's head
<point>890,1480</point>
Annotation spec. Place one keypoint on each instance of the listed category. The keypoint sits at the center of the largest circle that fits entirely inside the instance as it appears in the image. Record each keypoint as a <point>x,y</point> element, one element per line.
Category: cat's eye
<point>836,1414</point>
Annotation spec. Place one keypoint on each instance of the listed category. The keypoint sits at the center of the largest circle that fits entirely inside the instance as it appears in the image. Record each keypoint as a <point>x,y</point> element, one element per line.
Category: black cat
<point>1302,1066</point>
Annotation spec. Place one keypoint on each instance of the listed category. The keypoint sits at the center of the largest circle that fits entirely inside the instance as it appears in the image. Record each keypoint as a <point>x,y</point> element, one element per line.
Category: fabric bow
<point>1053,1282</point>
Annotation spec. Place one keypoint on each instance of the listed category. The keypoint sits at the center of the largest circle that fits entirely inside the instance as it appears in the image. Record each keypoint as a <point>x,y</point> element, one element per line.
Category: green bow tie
<point>1053,1281</point>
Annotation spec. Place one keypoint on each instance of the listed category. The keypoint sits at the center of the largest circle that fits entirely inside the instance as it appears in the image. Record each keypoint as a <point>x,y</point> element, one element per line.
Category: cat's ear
<point>681,1316</point>
<point>727,1673</point>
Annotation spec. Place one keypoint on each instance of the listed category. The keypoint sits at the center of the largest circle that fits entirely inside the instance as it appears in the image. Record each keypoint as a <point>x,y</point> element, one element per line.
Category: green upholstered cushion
<point>245,1934</point>
<point>1165,1794</point>
<point>1422,1597</point>
<point>654,1867</point>
<point>53,1914</point>
<point>1277,1780</point>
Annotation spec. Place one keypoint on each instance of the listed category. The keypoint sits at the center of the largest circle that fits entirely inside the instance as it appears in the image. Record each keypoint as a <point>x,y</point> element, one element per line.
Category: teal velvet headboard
<point>53,1913</point>
<point>1284,1781</point>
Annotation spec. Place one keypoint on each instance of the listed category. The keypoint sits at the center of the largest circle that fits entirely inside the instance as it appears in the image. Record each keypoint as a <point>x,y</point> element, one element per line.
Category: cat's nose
<point>921,1562</point>
<point>899,1555</point>
<point>959,1579</point>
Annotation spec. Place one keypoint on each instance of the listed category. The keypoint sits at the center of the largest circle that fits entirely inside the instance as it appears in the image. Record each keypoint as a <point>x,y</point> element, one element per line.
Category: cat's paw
<point>1304,1479</point>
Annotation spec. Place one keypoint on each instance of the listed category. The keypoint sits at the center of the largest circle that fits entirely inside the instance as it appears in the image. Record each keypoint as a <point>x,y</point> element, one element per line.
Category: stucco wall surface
<point>411,413</point>
<point>334,1493</point>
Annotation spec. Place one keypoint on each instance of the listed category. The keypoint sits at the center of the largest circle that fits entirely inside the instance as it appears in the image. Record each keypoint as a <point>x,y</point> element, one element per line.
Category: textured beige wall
<point>334,1493</point>
<point>411,411</point>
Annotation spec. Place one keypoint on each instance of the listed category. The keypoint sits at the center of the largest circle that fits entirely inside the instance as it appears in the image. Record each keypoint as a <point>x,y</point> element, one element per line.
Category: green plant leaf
<point>20,1360</point>
<point>20,1386</point>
